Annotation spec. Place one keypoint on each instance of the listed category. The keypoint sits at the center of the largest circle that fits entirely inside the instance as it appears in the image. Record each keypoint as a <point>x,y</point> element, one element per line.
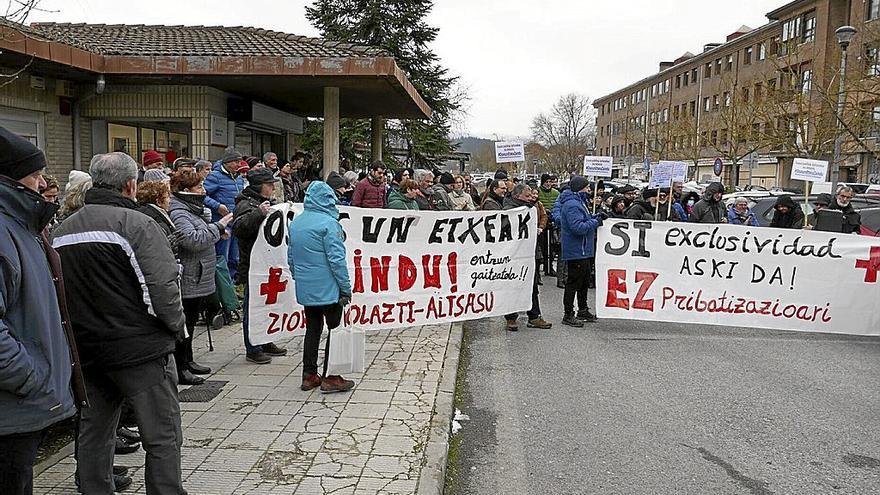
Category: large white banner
<point>738,276</point>
<point>407,268</point>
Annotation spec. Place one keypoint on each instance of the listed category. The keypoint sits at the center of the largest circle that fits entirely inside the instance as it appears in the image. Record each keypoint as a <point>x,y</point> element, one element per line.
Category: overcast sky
<point>516,57</point>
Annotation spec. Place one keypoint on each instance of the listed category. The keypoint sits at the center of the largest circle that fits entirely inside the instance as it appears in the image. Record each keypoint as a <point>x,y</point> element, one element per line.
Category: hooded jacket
<point>577,227</point>
<point>734,218</point>
<point>707,210</point>
<point>641,209</point>
<point>246,221</point>
<point>222,188</point>
<point>316,250</point>
<point>368,194</point>
<point>35,353</point>
<point>399,201</point>
<point>794,219</point>
<point>440,198</point>
<point>121,279</point>
<point>196,245</point>
<point>618,200</point>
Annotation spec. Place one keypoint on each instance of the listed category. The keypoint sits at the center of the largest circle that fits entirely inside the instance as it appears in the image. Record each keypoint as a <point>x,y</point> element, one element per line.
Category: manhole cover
<point>202,393</point>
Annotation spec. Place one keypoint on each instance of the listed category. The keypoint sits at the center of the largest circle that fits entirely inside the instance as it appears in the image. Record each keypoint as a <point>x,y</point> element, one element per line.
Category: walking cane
<point>208,326</point>
<point>327,351</point>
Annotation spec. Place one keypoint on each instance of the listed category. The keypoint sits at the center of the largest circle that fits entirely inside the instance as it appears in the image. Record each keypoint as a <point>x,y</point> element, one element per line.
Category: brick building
<point>81,89</point>
<point>768,91</point>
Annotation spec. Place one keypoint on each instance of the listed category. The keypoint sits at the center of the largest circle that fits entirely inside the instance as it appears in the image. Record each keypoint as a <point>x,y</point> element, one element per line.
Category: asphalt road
<point>643,407</point>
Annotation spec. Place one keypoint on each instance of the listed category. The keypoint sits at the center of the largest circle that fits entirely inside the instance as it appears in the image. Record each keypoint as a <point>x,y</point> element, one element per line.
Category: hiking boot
<point>586,316</point>
<point>310,382</point>
<point>259,357</point>
<point>273,350</point>
<point>335,383</point>
<point>571,321</point>
<point>512,326</point>
<point>539,323</point>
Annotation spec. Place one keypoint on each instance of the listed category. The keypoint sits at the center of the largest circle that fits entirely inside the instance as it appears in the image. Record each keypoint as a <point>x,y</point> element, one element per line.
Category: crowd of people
<point>104,283</point>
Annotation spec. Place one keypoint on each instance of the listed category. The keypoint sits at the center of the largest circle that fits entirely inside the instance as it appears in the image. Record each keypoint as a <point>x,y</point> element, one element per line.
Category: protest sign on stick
<point>809,171</point>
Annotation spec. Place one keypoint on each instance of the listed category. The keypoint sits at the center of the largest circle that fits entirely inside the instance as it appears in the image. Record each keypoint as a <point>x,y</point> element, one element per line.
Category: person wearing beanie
<point>222,186</point>
<point>37,347</point>
<point>251,208</point>
<point>75,178</point>
<point>618,207</point>
<point>156,175</point>
<point>501,174</point>
<point>439,193</point>
<point>339,186</point>
<point>578,235</point>
<point>547,196</point>
<point>370,191</point>
<point>152,160</point>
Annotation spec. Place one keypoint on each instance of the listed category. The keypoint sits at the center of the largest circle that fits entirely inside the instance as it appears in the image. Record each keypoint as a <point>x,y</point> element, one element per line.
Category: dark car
<point>868,207</point>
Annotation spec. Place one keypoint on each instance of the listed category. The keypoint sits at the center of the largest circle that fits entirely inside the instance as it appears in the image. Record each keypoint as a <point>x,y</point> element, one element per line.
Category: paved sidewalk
<point>263,435</point>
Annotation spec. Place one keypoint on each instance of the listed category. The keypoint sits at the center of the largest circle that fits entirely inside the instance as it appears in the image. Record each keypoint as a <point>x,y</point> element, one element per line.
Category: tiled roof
<point>142,40</point>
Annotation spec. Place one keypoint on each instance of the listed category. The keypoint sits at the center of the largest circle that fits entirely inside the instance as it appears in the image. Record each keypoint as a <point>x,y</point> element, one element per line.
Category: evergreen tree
<point>399,27</point>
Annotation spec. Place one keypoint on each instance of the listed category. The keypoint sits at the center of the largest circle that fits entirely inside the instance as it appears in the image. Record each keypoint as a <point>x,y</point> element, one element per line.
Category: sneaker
<point>273,350</point>
<point>586,316</point>
<point>571,321</point>
<point>512,326</point>
<point>259,357</point>
<point>335,383</point>
<point>539,323</point>
<point>310,382</point>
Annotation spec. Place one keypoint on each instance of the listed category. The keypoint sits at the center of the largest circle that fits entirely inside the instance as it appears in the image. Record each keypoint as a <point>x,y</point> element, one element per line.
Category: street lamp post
<point>844,35</point>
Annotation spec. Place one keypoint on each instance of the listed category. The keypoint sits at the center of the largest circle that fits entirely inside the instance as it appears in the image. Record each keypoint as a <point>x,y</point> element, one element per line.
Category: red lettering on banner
<point>432,276</point>
<point>379,273</point>
<point>871,266</point>
<point>452,265</point>
<point>646,279</point>
<point>406,273</point>
<point>273,286</point>
<point>358,273</point>
<point>616,285</point>
<point>272,328</point>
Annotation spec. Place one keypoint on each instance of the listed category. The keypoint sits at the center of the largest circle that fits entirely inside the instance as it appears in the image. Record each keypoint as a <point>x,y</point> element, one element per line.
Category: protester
<point>74,199</point>
<point>121,277</point>
<point>739,213</point>
<point>578,231</point>
<point>471,189</point>
<point>370,192</point>
<point>251,208</point>
<point>495,194</point>
<point>461,200</point>
<point>37,351</point>
<point>316,255</point>
<point>152,160</point>
<point>153,200</point>
<point>440,192</point>
<point>618,207</point>
<point>821,202</point>
<point>291,185</point>
<point>425,181</point>
<point>75,178</point>
<point>51,190</point>
<point>547,195</point>
<point>404,198</point>
<point>710,209</point>
<point>156,175</point>
<point>685,207</point>
<point>521,196</point>
<point>339,186</point>
<point>852,221</point>
<point>649,207</point>
<point>203,168</point>
<point>787,214</point>
<point>629,194</point>
<point>222,186</point>
<point>270,160</point>
<point>197,239</point>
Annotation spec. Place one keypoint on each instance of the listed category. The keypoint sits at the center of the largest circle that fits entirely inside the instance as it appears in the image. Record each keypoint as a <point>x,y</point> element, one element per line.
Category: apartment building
<point>724,103</point>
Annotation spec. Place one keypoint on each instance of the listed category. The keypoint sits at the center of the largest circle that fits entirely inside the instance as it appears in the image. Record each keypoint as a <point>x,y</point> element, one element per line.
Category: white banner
<point>509,152</point>
<point>738,276</point>
<point>598,166</point>
<point>666,172</point>
<point>407,268</point>
<point>809,170</point>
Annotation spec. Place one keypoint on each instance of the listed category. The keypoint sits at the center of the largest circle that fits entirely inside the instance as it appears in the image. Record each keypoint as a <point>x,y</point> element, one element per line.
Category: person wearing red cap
<point>152,159</point>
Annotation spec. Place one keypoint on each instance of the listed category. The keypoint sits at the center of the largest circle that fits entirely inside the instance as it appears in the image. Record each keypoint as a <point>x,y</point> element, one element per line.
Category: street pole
<point>844,37</point>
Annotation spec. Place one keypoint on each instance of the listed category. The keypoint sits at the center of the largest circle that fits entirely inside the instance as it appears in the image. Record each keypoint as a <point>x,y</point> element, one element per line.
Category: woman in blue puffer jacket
<point>316,255</point>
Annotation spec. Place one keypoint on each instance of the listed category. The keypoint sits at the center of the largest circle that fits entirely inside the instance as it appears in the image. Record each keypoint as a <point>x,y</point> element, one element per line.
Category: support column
<point>377,131</point>
<point>331,131</point>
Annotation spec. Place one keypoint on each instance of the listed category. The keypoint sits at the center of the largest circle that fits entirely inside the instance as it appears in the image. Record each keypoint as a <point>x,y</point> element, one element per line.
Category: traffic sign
<point>718,168</point>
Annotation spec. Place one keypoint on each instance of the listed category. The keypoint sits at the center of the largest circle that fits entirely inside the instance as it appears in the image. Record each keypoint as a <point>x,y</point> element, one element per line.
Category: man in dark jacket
<point>852,221</point>
<point>629,194</point>
<point>126,313</point>
<point>522,196</point>
<point>710,209</point>
<point>578,234</point>
<point>425,180</point>
<point>495,193</point>
<point>787,214</point>
<point>38,358</point>
<point>370,192</point>
<point>440,192</point>
<point>251,208</point>
<point>644,209</point>
<point>222,187</point>
<point>618,207</point>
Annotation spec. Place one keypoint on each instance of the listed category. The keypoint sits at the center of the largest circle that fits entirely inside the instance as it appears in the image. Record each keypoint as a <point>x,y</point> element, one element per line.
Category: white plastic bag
<point>347,351</point>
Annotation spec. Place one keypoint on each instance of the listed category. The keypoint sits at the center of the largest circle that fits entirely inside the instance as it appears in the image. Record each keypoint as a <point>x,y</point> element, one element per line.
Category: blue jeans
<point>229,248</point>
<point>250,349</point>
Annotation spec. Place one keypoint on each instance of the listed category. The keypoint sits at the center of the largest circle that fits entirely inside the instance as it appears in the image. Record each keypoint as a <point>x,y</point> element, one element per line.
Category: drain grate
<point>202,393</point>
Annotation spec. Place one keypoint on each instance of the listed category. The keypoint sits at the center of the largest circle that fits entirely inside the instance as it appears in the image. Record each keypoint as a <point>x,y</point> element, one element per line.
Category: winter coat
<point>707,210</point>
<point>197,240</point>
<point>577,227</point>
<point>734,218</point>
<point>641,209</point>
<point>440,198</point>
<point>548,197</point>
<point>316,251</point>
<point>246,220</point>
<point>398,201</point>
<point>794,219</point>
<point>222,188</point>
<point>292,187</point>
<point>492,202</point>
<point>36,356</point>
<point>121,280</point>
<point>852,220</point>
<point>423,200</point>
<point>161,217</point>
<point>618,200</point>
<point>461,201</point>
<point>368,194</point>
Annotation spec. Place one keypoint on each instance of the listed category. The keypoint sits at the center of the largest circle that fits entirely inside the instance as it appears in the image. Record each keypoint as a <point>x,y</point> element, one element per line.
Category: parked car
<point>867,206</point>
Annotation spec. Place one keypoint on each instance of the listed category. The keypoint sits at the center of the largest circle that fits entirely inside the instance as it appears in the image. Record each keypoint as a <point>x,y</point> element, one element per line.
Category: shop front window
<point>122,138</point>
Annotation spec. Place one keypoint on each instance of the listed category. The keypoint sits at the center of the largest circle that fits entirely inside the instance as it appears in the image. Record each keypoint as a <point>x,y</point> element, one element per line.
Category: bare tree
<point>568,130</point>
<point>16,14</point>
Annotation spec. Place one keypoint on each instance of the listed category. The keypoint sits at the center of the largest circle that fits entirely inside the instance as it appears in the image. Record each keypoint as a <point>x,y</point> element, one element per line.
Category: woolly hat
<point>155,175</point>
<point>545,178</point>
<point>151,157</point>
<point>232,156</point>
<point>649,193</point>
<point>18,156</point>
<point>75,178</point>
<point>336,181</point>
<point>578,183</point>
<point>447,179</point>
<point>823,199</point>
<point>501,174</point>
<point>260,176</point>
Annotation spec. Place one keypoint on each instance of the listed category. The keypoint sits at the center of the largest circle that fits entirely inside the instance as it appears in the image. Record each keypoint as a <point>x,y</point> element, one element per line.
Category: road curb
<point>433,477</point>
<point>53,459</point>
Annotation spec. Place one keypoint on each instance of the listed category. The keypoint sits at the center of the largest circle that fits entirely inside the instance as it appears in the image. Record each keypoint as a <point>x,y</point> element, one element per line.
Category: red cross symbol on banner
<point>871,266</point>
<point>273,287</point>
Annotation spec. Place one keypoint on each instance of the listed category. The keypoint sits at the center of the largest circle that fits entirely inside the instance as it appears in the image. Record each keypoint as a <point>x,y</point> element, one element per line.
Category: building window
<point>806,81</point>
<point>747,56</point>
<point>872,60</point>
<point>694,75</point>
<point>726,99</point>
<point>686,74</point>
<point>874,128</point>
<point>745,94</point>
<point>666,86</point>
<point>693,108</point>
<point>678,81</point>
<point>707,73</point>
<point>707,104</point>
<point>716,103</point>
<point>873,9</point>
<point>809,33</point>
<point>762,50</point>
<point>718,66</point>
<point>729,65</point>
